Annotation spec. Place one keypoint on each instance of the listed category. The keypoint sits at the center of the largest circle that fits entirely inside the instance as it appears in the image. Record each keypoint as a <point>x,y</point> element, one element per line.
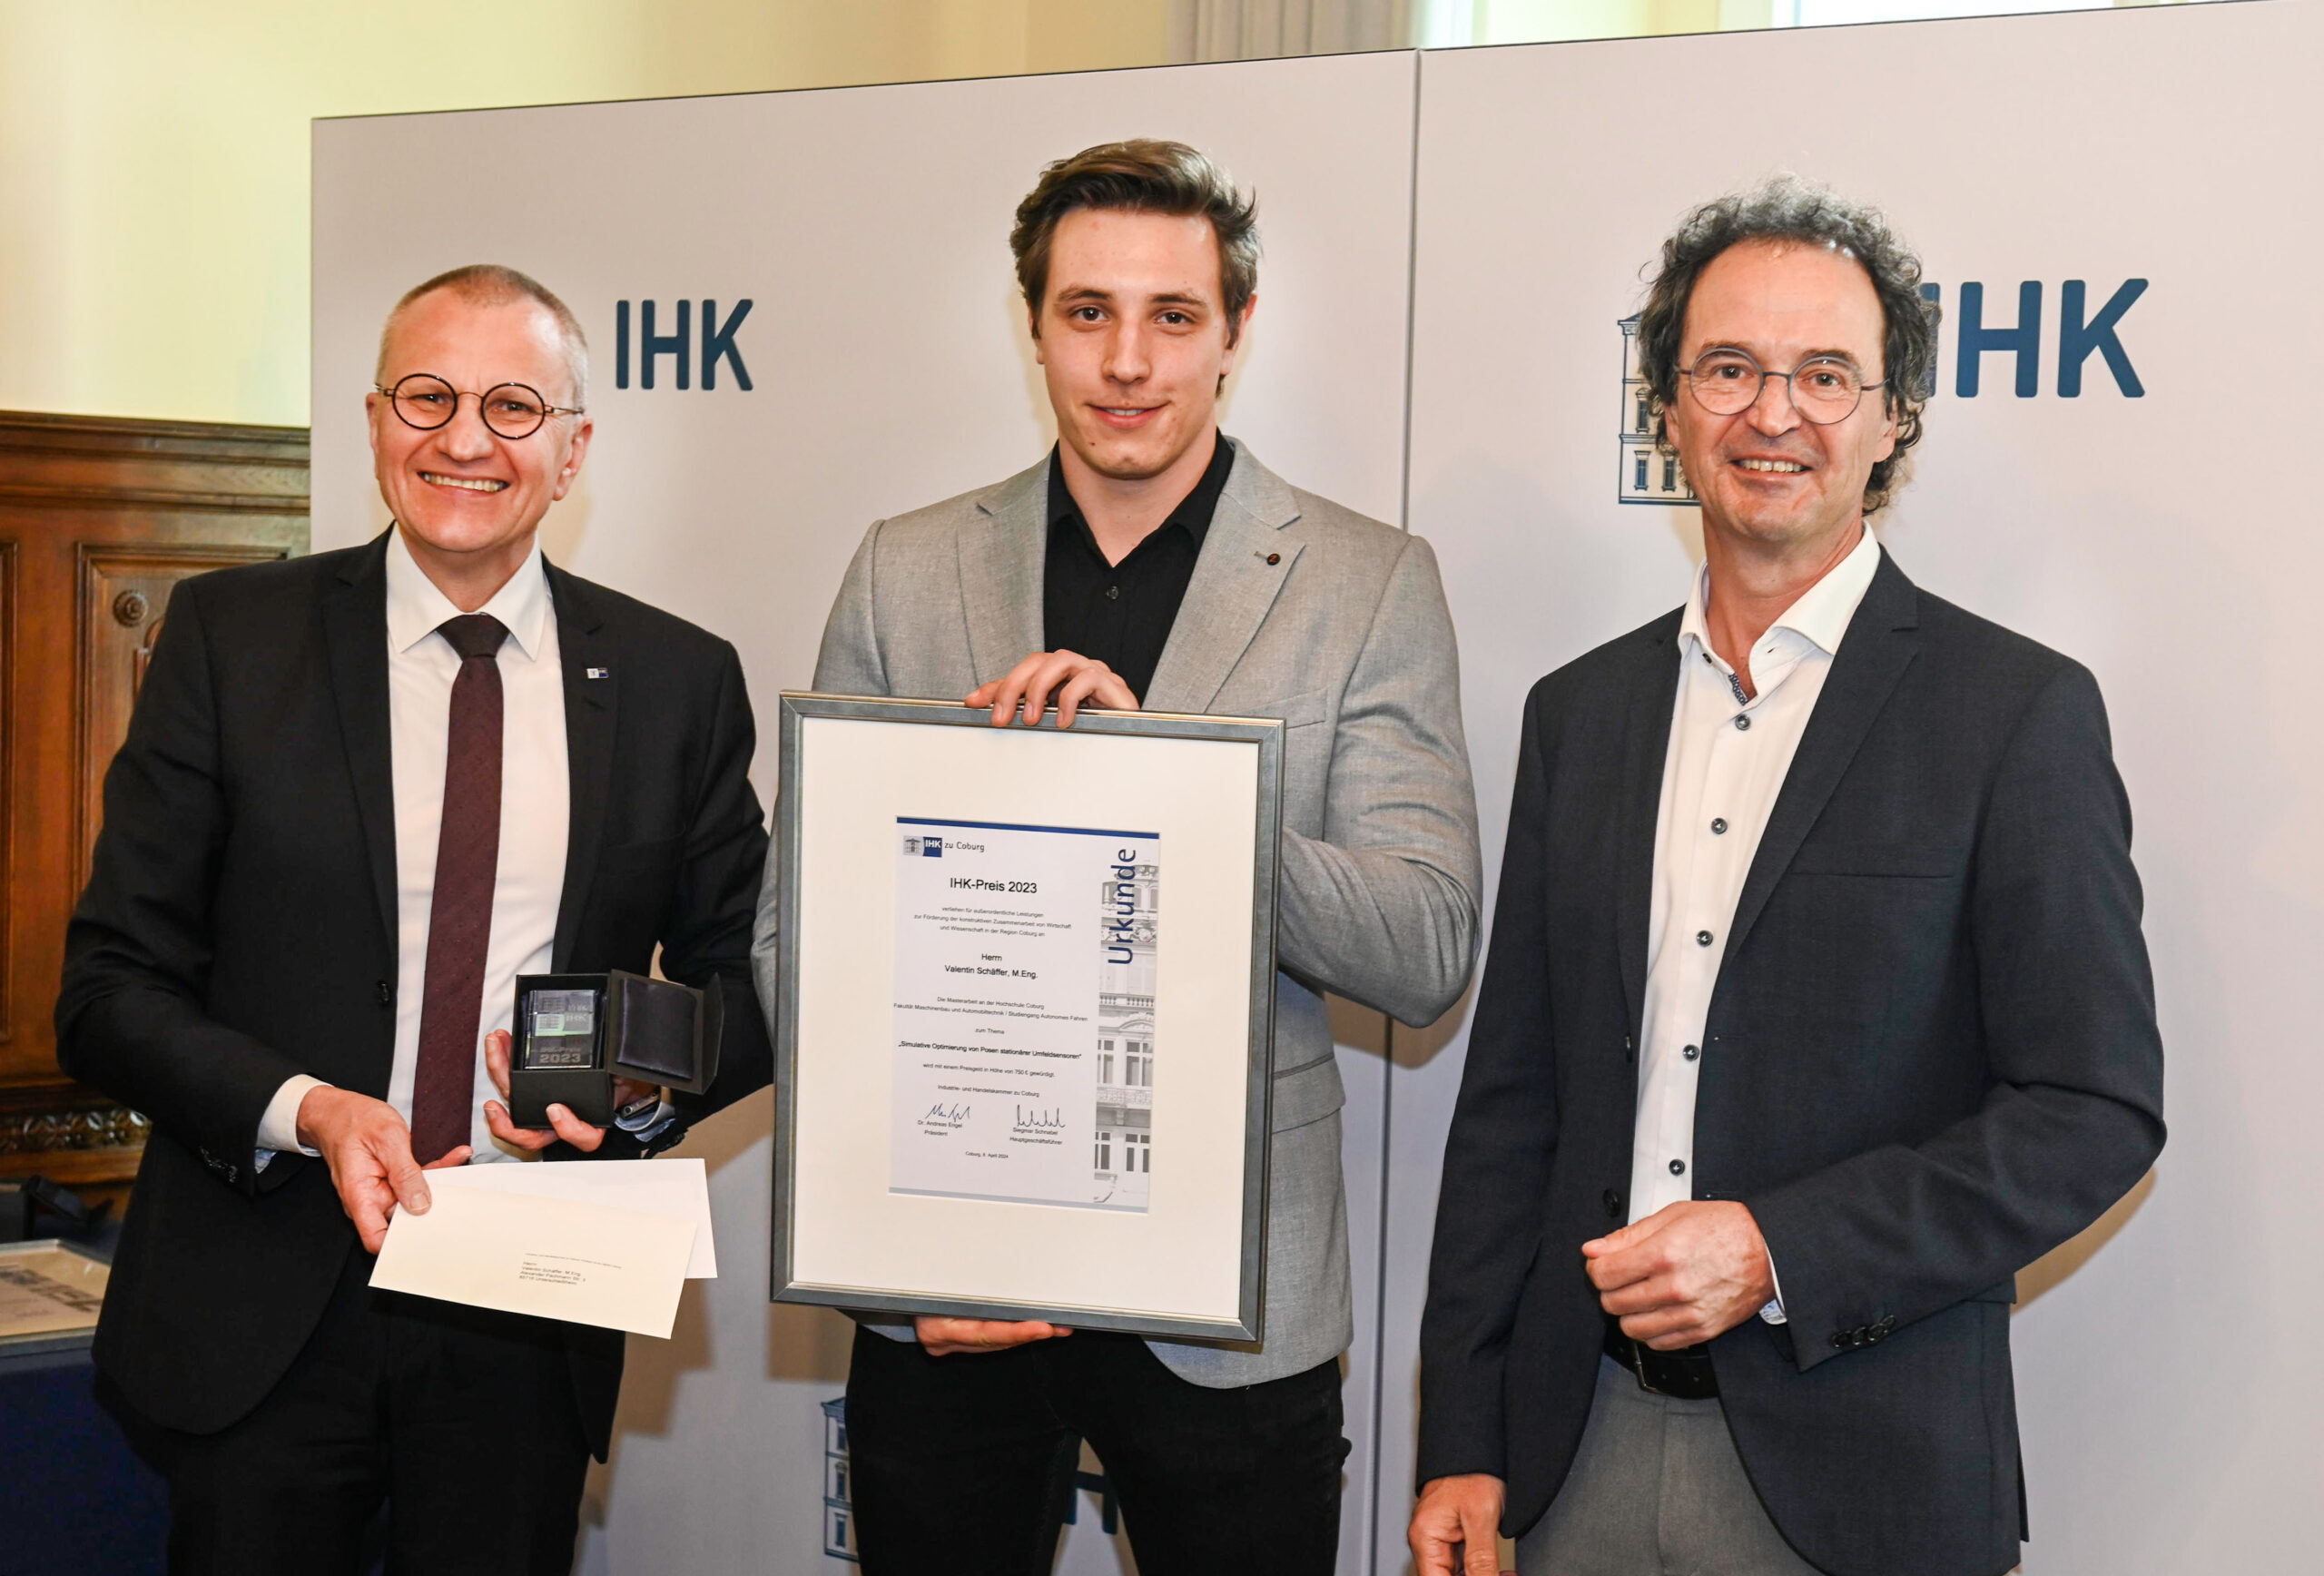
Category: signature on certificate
<point>943,1112</point>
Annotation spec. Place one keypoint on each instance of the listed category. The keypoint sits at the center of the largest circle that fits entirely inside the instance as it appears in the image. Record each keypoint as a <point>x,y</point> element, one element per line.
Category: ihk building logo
<point>677,347</point>
<point>1651,474</point>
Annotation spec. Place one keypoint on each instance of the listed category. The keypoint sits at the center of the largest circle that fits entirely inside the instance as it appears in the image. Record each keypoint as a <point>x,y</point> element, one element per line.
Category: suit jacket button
<point>385,994</point>
<point>1613,1200</point>
<point>1839,1340</point>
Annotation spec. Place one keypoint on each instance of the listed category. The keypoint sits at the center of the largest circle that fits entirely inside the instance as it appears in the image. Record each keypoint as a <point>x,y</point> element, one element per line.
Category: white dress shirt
<point>529,881</point>
<point>1726,760</point>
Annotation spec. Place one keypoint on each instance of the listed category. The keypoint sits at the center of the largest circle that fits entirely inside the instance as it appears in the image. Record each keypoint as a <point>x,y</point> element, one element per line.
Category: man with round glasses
<point>361,793</point>
<point>1815,1005</point>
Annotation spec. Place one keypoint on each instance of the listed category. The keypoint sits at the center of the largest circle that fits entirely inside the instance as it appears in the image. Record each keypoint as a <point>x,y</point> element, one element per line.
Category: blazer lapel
<point>1882,640</point>
<point>588,655</point>
<point>1646,746</point>
<point>1002,554</point>
<point>1245,561</point>
<point>355,633</point>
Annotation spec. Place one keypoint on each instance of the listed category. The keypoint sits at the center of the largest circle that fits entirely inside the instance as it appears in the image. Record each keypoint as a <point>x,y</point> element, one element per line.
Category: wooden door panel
<point>99,520</point>
<point>124,592</point>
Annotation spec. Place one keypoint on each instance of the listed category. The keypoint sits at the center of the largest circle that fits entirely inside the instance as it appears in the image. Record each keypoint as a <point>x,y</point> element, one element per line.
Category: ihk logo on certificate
<point>1024,1013</point>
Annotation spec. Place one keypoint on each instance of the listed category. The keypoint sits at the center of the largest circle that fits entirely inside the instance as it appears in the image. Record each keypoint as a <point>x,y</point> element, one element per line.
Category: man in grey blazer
<point>1150,560</point>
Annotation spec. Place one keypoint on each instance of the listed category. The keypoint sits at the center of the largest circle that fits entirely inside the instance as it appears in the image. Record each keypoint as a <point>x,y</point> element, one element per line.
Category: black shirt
<point>1122,614</point>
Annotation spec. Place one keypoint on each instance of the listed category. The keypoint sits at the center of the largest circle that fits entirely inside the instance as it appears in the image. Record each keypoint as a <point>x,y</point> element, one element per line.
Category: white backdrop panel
<point>2169,1390</point>
<point>2169,1384</point>
<point>885,345</point>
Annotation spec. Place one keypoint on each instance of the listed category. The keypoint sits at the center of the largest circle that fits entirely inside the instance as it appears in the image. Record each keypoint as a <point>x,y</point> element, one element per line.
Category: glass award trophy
<point>575,1034</point>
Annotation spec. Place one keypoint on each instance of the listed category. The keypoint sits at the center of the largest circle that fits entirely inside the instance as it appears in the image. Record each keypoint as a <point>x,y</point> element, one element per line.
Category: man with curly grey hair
<point>1815,1006</point>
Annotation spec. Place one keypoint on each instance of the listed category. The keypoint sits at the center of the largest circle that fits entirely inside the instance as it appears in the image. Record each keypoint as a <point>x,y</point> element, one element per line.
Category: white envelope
<point>498,1247</point>
<point>673,1188</point>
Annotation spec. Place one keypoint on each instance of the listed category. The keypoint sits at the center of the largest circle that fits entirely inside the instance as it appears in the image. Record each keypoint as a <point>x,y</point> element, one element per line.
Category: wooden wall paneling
<point>124,593</point>
<point>99,518</point>
<point>7,787</point>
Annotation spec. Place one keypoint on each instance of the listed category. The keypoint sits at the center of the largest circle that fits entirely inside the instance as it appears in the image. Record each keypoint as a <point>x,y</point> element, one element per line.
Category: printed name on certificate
<point>1024,1012</point>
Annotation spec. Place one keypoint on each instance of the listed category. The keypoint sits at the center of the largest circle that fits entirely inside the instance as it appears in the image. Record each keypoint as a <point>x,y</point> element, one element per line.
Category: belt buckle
<point>1638,1364</point>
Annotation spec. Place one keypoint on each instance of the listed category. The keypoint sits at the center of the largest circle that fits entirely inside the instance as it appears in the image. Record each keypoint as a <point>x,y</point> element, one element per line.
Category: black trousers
<point>964,1464</point>
<point>460,1421</point>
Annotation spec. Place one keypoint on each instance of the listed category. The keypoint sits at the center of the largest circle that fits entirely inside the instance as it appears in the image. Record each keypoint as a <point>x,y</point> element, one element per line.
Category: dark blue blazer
<point>1930,1058</point>
<point>240,925</point>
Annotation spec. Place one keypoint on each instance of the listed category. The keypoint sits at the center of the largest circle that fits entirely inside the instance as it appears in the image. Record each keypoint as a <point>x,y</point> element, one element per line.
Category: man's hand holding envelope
<point>610,1244</point>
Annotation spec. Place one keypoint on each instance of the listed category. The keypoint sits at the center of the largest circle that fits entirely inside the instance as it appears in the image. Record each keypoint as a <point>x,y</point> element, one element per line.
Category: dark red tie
<point>459,914</point>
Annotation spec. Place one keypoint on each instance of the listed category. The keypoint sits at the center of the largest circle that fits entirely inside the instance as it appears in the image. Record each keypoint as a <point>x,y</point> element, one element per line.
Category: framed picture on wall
<point>1026,995</point>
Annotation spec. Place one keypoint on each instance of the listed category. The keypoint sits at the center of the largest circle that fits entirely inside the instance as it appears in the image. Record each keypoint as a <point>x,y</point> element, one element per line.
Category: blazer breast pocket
<point>1300,711</point>
<point>1835,857</point>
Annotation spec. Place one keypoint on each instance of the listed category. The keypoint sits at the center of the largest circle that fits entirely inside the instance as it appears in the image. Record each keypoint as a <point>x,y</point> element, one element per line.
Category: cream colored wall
<point>154,152</point>
<point>1540,20</point>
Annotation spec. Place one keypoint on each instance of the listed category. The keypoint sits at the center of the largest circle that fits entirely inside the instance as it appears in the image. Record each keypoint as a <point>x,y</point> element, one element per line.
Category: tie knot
<point>474,635</point>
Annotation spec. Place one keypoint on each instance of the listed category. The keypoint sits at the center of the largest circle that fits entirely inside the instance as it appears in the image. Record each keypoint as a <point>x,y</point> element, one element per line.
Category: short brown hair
<point>491,285</point>
<point>1142,176</point>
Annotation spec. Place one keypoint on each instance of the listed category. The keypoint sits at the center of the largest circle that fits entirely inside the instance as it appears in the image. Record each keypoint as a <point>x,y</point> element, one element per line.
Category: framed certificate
<point>1026,998</point>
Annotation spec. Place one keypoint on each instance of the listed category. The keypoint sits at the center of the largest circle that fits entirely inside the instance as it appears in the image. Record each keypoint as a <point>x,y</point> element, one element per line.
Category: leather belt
<point>1685,1375</point>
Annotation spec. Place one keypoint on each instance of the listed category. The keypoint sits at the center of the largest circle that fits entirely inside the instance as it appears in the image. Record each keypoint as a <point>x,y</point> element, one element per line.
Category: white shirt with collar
<point>529,881</point>
<point>1726,763</point>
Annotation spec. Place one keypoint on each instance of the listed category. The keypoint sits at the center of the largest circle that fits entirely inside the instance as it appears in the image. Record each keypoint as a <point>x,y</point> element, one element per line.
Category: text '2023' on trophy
<point>575,1033</point>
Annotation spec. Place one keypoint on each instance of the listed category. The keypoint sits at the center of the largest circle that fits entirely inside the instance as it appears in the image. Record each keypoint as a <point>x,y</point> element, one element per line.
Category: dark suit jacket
<point>1931,1057</point>
<point>240,927</point>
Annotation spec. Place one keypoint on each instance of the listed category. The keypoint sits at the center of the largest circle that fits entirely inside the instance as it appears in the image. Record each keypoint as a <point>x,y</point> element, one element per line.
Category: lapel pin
<point>1275,557</point>
<point>597,672</point>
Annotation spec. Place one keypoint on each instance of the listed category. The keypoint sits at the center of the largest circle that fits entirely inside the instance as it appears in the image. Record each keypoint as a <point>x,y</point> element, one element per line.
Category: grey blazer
<point>1298,609</point>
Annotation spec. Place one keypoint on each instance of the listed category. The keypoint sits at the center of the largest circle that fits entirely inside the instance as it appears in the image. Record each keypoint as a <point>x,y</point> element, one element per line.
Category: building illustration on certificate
<point>1130,914</point>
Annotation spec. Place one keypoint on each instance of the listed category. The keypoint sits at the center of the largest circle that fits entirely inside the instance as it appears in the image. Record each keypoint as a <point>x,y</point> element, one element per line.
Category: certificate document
<point>1024,1012</point>
<point>970,972</point>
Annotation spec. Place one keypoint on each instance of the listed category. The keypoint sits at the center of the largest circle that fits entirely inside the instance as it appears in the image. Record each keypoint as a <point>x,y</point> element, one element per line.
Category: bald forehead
<point>497,338</point>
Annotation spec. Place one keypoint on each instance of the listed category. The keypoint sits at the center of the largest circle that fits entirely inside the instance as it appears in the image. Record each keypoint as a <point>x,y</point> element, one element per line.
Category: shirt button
<point>386,994</point>
<point>1113,592</point>
<point>1693,1052</point>
<point>1702,938</point>
<point>1718,827</point>
<point>1743,725</point>
<point>1678,1167</point>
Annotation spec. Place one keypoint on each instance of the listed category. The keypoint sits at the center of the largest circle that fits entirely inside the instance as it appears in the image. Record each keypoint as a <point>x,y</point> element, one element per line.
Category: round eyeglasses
<point>510,410</point>
<point>1824,390</point>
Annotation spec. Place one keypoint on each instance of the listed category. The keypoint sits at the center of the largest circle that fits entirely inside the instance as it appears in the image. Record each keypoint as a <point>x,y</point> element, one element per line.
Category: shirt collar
<point>416,608</point>
<point>1194,512</point>
<point>1820,617</point>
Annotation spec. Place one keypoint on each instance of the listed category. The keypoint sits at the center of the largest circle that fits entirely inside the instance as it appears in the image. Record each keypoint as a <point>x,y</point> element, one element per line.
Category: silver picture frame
<point>791,1281</point>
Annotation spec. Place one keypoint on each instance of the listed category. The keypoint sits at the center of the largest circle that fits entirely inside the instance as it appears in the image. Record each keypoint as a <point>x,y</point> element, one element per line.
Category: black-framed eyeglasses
<point>426,401</point>
<point>1824,390</point>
